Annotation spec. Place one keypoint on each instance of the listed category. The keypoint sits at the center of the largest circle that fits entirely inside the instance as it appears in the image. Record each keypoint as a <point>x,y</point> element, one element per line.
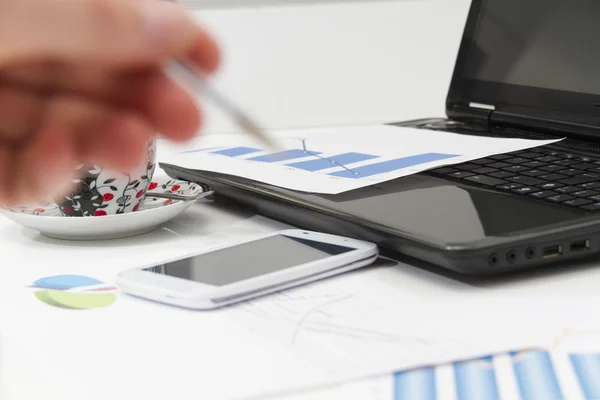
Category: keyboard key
<point>592,207</point>
<point>482,161</point>
<point>499,165</point>
<point>565,163</point>
<point>569,156</point>
<point>587,159</point>
<point>485,170</point>
<point>534,164</point>
<point>553,177</point>
<point>526,180</point>
<point>552,153</point>
<point>583,178</point>
<point>516,160</point>
<point>526,190</point>
<point>516,168</point>
<point>571,172</point>
<point>585,193</point>
<point>550,185</point>
<point>544,194</point>
<point>485,180</point>
<point>584,166</point>
<point>500,157</point>
<point>461,174</point>
<point>560,198</point>
<point>553,168</point>
<point>534,172</point>
<point>467,167</point>
<point>510,186</point>
<point>577,202</point>
<point>502,174</point>
<point>547,159</point>
<point>595,198</point>
<point>530,154</point>
<point>591,185</point>
<point>568,189</point>
<point>443,170</point>
<point>596,169</point>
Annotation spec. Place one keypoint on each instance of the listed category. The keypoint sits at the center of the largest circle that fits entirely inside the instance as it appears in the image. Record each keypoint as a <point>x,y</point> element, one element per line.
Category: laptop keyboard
<point>552,176</point>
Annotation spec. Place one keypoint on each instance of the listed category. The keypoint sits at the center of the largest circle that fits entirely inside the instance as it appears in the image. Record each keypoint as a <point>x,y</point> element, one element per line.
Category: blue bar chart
<point>331,162</point>
<point>476,380</point>
<point>587,369</point>
<point>345,165</point>
<point>533,373</point>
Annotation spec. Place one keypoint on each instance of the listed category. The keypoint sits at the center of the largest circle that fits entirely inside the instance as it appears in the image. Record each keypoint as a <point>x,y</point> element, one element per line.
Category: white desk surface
<point>293,66</point>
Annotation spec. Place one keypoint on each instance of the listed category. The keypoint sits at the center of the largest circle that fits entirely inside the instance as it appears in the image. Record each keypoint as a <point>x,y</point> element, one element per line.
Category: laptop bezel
<point>555,105</point>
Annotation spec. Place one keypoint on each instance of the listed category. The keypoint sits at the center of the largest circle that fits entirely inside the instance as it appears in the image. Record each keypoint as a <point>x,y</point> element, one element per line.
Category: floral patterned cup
<point>100,192</point>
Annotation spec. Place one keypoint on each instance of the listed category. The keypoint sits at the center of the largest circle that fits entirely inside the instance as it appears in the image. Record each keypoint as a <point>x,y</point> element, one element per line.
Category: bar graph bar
<point>536,376</point>
<point>476,380</point>
<point>391,165</point>
<point>587,369</point>
<point>331,162</point>
<point>415,385</point>
<point>236,151</point>
<point>284,155</point>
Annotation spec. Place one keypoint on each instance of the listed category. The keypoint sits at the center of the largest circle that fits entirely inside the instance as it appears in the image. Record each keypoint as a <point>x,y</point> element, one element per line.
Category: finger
<point>124,33</point>
<point>120,143</point>
<point>101,133</point>
<point>45,167</point>
<point>7,167</point>
<point>170,109</point>
<point>19,111</point>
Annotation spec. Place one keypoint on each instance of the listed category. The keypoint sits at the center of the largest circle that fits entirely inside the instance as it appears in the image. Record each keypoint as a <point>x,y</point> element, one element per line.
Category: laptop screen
<point>551,44</point>
<point>535,53</point>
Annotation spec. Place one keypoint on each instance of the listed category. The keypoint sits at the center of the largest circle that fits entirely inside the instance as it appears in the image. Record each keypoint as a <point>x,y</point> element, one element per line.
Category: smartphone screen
<point>249,260</point>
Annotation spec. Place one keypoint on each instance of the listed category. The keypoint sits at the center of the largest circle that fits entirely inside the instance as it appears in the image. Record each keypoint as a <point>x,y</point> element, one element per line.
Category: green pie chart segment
<point>74,300</point>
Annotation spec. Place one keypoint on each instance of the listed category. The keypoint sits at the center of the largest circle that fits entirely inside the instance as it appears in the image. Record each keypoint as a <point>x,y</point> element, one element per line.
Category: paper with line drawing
<point>335,160</point>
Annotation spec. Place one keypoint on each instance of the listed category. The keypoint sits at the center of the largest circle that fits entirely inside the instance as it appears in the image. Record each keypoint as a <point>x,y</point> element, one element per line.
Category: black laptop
<point>525,69</point>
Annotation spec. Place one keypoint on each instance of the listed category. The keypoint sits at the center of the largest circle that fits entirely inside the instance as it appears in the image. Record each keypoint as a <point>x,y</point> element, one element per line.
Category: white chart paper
<point>336,160</point>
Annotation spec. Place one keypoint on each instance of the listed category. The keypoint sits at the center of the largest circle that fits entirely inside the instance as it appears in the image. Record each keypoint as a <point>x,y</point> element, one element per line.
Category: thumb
<point>123,32</point>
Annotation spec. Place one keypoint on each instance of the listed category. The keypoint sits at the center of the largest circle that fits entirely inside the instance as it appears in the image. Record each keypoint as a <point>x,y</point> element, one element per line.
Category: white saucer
<point>47,219</point>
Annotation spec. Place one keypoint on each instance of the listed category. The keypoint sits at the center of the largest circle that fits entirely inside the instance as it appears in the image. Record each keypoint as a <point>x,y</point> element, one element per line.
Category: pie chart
<point>75,292</point>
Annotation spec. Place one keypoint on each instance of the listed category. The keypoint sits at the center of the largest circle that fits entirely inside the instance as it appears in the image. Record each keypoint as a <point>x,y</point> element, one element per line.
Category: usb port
<point>552,251</point>
<point>580,245</point>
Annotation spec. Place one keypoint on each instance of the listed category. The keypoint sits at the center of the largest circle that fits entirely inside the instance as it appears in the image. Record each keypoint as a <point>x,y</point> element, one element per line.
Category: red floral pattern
<point>107,197</point>
<point>100,213</point>
<point>153,185</point>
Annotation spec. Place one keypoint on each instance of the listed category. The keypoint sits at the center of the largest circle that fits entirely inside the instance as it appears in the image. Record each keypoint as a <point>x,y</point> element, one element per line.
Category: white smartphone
<point>246,270</point>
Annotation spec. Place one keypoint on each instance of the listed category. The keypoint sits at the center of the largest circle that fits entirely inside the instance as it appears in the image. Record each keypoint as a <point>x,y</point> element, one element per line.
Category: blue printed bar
<point>331,162</point>
<point>536,376</point>
<point>587,369</point>
<point>284,155</point>
<point>391,165</point>
<point>415,385</point>
<point>476,380</point>
<point>236,151</point>
<point>199,150</point>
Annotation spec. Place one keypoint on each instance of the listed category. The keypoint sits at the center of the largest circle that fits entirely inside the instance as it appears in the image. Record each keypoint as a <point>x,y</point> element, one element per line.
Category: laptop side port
<point>552,251</point>
<point>580,245</point>
<point>494,259</point>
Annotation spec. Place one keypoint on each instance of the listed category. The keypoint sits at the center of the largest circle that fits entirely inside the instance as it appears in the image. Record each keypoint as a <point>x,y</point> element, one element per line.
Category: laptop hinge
<point>481,106</point>
<point>471,113</point>
<point>551,123</point>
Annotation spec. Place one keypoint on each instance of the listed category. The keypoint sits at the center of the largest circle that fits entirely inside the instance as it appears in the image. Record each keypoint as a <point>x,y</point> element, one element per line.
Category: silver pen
<point>193,77</point>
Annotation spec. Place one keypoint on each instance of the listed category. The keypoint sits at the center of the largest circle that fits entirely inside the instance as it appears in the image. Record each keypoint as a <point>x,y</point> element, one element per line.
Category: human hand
<point>81,82</point>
